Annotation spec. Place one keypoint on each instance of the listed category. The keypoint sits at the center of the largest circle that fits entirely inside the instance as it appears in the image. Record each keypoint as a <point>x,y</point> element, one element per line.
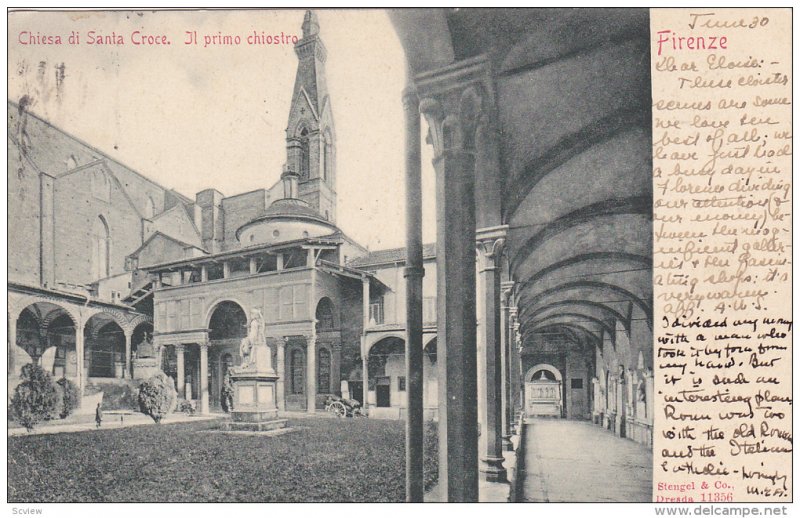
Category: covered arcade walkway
<point>574,461</point>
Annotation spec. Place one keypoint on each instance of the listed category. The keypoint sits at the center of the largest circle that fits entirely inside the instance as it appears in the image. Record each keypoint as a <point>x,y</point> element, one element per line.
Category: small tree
<point>157,396</point>
<point>227,392</point>
<point>36,398</point>
<point>70,397</point>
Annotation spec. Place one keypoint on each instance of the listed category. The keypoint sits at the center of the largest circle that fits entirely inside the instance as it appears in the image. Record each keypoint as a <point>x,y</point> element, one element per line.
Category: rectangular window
<point>576,383</point>
<point>376,312</point>
<point>401,383</point>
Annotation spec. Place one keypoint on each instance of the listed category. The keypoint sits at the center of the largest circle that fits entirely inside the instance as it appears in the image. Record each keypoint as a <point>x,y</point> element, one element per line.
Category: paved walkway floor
<point>576,461</point>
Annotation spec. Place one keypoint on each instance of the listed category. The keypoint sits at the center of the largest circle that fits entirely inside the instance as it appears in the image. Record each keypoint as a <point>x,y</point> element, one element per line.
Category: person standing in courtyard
<point>98,416</point>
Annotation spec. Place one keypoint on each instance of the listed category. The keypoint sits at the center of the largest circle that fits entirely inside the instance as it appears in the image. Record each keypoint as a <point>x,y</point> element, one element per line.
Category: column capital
<point>490,243</point>
<point>204,346</point>
<point>179,348</point>
<point>454,100</point>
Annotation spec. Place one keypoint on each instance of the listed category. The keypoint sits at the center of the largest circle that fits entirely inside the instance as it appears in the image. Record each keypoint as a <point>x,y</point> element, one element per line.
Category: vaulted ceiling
<point>574,153</point>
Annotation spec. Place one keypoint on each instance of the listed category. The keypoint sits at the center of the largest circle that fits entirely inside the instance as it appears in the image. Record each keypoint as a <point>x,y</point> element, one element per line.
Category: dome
<point>286,219</point>
<point>291,208</point>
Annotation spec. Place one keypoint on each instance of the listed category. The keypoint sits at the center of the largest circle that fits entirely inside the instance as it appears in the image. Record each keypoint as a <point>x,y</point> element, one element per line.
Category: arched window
<point>324,315</point>
<point>101,187</point>
<point>304,154</point>
<point>101,249</point>
<point>298,368</point>
<point>149,208</point>
<point>324,377</point>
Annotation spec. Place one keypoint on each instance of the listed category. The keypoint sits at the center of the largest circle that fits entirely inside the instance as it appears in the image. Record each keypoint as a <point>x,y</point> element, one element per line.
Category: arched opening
<point>142,334</point>
<point>325,315</point>
<point>227,325</point>
<point>45,336</point>
<point>61,341</point>
<point>226,328</point>
<point>104,353</point>
<point>304,154</point>
<point>101,249</point>
<point>387,376</point>
<point>29,338</point>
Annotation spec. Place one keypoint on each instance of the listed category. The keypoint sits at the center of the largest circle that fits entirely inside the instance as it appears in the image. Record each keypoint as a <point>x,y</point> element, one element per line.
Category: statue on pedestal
<point>254,383</point>
<point>253,349</point>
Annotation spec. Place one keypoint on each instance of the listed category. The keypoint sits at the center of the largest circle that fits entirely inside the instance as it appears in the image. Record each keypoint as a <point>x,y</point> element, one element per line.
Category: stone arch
<point>430,348</point>
<point>118,317</point>
<point>34,338</point>
<point>213,306</point>
<point>141,331</point>
<point>16,307</point>
<point>385,357</point>
<point>105,345</point>
<point>379,337</point>
<point>227,321</point>
<point>542,367</point>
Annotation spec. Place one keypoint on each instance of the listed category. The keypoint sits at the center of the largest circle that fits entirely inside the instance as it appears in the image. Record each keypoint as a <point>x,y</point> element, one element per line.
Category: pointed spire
<point>310,24</point>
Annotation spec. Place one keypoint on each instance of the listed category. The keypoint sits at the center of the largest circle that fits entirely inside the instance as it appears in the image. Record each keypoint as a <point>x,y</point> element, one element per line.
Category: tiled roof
<point>392,255</point>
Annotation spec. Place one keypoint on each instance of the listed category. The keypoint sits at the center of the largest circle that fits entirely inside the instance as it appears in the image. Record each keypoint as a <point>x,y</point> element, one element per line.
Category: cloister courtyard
<point>315,460</point>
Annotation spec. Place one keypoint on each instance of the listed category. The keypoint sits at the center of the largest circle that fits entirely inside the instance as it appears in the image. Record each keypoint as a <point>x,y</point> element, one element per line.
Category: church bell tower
<point>310,135</point>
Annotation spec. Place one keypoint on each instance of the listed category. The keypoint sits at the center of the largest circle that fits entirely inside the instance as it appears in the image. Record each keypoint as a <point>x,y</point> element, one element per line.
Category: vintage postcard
<point>400,255</point>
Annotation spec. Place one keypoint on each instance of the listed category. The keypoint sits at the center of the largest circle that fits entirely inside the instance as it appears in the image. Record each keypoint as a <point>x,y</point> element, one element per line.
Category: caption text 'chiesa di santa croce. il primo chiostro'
<point>110,273</point>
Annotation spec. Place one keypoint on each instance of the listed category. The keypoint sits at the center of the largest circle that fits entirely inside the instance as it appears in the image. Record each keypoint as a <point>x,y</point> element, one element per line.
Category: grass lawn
<point>323,460</point>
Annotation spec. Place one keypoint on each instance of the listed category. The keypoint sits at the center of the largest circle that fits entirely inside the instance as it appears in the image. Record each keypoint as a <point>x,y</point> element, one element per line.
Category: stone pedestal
<point>254,401</point>
<point>145,368</point>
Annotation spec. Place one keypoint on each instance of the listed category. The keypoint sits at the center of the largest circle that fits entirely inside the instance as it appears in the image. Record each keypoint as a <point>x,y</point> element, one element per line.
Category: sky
<point>192,116</point>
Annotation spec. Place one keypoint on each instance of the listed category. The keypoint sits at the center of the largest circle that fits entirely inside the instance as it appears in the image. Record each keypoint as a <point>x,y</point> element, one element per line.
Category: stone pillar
<point>204,378</point>
<point>226,269</point>
<point>279,262</point>
<point>179,350</point>
<point>364,375</point>
<point>128,372</point>
<point>204,273</point>
<point>505,369</point>
<point>336,367</point>
<point>311,373</point>
<point>452,100</point>
<point>253,266</point>
<point>513,364</point>
<point>490,243</point>
<point>280,389</point>
<point>414,273</point>
<point>81,362</point>
<point>365,300</point>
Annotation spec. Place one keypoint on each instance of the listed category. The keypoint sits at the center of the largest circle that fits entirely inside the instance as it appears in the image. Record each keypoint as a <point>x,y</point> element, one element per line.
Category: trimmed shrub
<point>157,396</point>
<point>185,406</point>
<point>227,392</point>
<point>70,398</point>
<point>36,398</point>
